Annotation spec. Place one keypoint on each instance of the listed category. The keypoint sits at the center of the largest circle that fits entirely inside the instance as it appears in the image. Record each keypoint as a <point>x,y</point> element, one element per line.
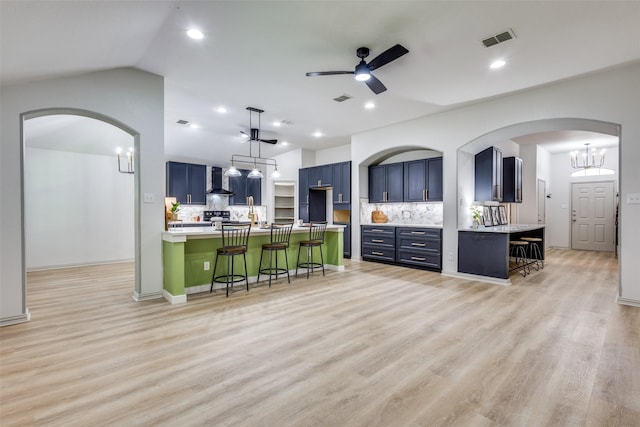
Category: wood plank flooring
<point>375,345</point>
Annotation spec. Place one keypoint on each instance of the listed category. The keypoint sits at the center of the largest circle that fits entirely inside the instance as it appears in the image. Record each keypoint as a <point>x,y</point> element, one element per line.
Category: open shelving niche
<point>284,202</point>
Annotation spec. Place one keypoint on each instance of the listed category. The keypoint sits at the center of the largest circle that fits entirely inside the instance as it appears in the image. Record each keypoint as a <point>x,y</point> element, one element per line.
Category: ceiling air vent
<point>182,122</point>
<point>342,98</point>
<point>499,38</point>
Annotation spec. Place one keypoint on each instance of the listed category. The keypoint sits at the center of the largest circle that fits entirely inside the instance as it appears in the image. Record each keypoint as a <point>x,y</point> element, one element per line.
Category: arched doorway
<point>87,215</point>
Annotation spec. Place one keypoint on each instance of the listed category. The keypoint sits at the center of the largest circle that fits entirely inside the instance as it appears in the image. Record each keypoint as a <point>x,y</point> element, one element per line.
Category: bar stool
<point>316,239</point>
<point>517,250</point>
<point>235,239</point>
<point>534,251</point>
<point>280,235</point>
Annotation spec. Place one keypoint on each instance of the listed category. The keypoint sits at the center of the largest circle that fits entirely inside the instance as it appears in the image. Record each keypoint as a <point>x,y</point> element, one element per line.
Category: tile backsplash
<point>404,213</point>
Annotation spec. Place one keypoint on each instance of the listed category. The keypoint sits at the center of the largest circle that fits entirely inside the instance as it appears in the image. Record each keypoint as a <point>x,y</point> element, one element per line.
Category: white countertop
<point>511,228</point>
<point>208,232</point>
<point>400,224</point>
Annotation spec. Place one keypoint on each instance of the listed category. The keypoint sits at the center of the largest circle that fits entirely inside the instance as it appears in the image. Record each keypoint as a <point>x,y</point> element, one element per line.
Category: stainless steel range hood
<point>216,183</point>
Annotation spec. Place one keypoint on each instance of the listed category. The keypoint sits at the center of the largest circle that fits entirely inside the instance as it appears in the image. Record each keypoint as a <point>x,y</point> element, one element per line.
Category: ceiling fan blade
<point>269,141</point>
<point>387,56</point>
<point>375,85</point>
<point>328,73</point>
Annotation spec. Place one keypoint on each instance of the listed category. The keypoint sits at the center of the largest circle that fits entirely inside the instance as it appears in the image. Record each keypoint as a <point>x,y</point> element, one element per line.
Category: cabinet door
<point>415,180</point>
<point>395,182</point>
<point>315,176</point>
<point>434,182</point>
<point>303,186</point>
<point>197,184</point>
<point>377,183</point>
<point>326,175</point>
<point>254,189</point>
<point>518,180</point>
<point>512,180</point>
<point>497,174</point>
<point>341,182</point>
<point>238,185</point>
<point>303,212</point>
<point>347,241</point>
<point>177,181</point>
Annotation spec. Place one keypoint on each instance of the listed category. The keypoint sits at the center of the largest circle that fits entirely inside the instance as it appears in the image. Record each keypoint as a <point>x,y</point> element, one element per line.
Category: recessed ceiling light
<point>497,64</point>
<point>277,124</point>
<point>195,34</point>
<point>221,109</point>
<point>369,105</point>
<point>317,134</point>
<point>194,125</point>
<point>284,143</point>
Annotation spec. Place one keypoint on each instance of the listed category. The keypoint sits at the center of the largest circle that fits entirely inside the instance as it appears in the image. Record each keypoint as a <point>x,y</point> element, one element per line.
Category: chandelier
<point>589,163</point>
<point>252,159</point>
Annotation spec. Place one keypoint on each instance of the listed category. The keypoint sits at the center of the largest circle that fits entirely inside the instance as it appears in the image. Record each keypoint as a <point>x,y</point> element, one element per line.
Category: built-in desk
<point>186,250</point>
<point>485,251</point>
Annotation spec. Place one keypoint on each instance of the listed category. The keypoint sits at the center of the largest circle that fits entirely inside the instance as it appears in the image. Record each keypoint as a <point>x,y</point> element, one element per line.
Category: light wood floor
<point>373,346</point>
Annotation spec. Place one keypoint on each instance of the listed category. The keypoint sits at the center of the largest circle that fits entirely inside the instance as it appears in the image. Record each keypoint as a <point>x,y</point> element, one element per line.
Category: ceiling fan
<point>363,70</point>
<point>254,134</point>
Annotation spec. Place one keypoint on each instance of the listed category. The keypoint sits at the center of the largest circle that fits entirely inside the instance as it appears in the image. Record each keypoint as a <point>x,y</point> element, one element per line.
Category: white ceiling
<point>256,53</point>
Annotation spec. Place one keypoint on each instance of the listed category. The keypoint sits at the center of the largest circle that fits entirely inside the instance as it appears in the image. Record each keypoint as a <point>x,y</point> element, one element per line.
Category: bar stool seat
<point>315,240</point>
<point>534,251</point>
<point>279,241</point>
<point>517,250</point>
<point>235,240</point>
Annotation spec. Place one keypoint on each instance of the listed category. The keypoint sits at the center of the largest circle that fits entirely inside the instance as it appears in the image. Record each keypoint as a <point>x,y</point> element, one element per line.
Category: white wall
<point>558,211</point>
<point>611,97</point>
<point>341,153</point>
<point>82,195</point>
<point>128,96</point>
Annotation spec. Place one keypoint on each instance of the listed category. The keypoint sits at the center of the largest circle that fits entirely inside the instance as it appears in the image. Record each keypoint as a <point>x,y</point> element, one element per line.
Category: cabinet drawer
<point>427,245</point>
<point>433,233</point>
<point>419,258</point>
<point>378,230</point>
<point>378,253</point>
<point>381,239</point>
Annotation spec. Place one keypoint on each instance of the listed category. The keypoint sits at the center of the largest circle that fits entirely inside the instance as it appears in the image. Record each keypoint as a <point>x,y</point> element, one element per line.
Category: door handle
<point>377,241</point>
<point>377,253</point>
<point>417,244</point>
<point>415,258</point>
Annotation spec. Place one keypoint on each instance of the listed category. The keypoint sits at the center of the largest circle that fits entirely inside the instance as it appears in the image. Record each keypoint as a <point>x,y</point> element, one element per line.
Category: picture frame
<point>486,216</point>
<point>495,214</point>
<point>503,215</point>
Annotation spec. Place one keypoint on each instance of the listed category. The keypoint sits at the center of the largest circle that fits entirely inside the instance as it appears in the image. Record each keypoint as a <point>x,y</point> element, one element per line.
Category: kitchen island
<point>485,251</point>
<point>186,252</point>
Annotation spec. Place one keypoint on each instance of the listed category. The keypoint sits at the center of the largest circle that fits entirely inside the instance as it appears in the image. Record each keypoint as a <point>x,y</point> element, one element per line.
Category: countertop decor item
<point>378,217</point>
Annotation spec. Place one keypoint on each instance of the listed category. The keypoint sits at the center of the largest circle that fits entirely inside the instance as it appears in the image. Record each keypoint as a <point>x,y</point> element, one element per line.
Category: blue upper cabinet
<point>423,180</point>
<point>243,187</point>
<point>341,182</point>
<point>512,179</point>
<point>186,182</point>
<point>303,186</point>
<point>488,175</point>
<point>386,183</point>
<point>320,176</point>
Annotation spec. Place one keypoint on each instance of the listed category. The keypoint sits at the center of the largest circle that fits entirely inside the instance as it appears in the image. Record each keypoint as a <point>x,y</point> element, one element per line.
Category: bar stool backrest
<point>236,235</point>
<point>281,233</point>
<point>316,231</point>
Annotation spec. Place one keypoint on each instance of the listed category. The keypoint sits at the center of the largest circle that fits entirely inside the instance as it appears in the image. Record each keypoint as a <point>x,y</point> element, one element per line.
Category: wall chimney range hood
<point>216,183</point>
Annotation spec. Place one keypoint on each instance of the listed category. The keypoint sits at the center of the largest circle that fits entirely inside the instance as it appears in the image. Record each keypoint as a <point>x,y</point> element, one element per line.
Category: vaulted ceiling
<point>256,53</point>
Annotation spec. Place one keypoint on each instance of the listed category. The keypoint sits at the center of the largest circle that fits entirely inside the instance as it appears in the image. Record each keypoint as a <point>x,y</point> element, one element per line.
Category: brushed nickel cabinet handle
<point>417,232</point>
<point>426,195</point>
<point>377,253</point>
<point>377,240</point>
<point>416,258</point>
<point>377,230</point>
<point>417,244</point>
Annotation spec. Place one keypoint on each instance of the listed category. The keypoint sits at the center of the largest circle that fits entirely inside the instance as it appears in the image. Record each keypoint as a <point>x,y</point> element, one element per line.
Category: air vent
<point>182,122</point>
<point>342,98</point>
<point>286,123</point>
<point>499,38</point>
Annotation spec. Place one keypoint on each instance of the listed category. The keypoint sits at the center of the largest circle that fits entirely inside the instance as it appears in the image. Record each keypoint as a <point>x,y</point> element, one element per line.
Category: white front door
<point>592,216</point>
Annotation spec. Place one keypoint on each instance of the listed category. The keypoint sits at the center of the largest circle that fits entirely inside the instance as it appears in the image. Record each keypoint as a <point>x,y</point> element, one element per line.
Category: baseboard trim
<point>174,299</point>
<point>14,320</point>
<point>627,301</point>
<point>477,278</point>
<point>146,297</point>
<point>90,264</point>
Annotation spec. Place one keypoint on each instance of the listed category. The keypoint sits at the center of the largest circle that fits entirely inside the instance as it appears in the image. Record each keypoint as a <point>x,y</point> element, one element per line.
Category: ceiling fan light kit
<point>363,70</point>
